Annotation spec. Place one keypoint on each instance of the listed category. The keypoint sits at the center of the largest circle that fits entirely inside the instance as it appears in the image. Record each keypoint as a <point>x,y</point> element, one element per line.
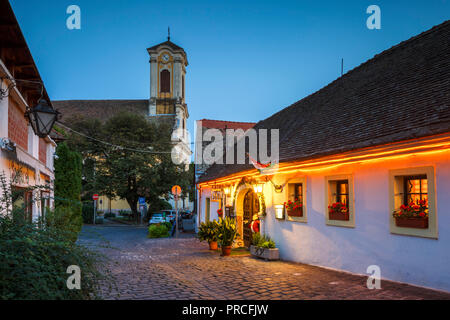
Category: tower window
<point>165,81</point>
<point>182,85</point>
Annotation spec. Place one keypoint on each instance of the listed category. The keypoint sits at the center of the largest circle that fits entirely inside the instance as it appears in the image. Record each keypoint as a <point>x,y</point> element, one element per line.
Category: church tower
<point>168,64</point>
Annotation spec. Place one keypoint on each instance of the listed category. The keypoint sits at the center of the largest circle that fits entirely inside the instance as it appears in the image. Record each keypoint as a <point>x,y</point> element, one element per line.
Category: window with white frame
<point>412,202</point>
<point>295,205</point>
<point>339,201</point>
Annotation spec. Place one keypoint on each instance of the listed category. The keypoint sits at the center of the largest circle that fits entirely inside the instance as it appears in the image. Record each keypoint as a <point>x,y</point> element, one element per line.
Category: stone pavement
<point>184,268</point>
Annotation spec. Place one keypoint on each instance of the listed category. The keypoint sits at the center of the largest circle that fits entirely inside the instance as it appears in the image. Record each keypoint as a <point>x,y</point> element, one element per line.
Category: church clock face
<point>165,57</point>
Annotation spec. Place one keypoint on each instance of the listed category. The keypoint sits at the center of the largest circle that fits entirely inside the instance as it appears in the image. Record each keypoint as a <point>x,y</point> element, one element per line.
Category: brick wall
<point>42,151</point>
<point>17,125</point>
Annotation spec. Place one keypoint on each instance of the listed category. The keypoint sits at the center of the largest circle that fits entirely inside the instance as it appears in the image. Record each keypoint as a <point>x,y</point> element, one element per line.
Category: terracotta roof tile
<point>100,109</point>
<point>220,124</point>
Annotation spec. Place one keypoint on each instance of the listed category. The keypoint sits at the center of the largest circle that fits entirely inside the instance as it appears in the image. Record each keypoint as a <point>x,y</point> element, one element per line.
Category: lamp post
<point>42,117</point>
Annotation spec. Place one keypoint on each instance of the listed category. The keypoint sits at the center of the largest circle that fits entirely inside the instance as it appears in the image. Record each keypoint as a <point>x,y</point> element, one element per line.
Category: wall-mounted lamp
<point>279,212</point>
<point>42,118</point>
<point>226,190</point>
<point>258,188</point>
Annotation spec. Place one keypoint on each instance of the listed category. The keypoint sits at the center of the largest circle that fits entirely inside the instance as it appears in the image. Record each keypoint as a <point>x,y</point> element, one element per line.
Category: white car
<point>170,215</point>
<point>158,217</point>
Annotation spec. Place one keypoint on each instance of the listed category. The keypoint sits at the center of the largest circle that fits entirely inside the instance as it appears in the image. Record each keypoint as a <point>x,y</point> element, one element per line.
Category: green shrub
<point>262,241</point>
<point>65,219</point>
<point>227,231</point>
<point>168,225</point>
<point>110,215</point>
<point>158,231</point>
<point>67,184</point>
<point>34,262</point>
<point>208,231</point>
<point>88,212</point>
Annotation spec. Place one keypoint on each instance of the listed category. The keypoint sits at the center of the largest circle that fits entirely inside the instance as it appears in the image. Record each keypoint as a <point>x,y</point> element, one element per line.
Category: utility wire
<point>114,145</point>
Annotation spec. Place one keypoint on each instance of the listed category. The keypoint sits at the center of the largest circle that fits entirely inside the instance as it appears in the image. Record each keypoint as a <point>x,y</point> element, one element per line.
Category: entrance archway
<point>251,207</point>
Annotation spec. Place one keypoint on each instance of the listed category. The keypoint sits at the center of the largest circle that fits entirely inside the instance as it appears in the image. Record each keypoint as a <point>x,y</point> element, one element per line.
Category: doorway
<point>251,207</point>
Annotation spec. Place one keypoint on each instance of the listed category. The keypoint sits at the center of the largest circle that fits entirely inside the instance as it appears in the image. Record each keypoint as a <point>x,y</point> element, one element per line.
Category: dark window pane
<point>165,81</point>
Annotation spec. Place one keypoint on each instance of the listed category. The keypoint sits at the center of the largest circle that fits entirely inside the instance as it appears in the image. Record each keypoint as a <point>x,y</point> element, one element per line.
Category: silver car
<point>157,217</point>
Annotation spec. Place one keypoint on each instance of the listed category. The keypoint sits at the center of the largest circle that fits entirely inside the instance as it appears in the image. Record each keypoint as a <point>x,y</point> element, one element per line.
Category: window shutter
<point>165,81</point>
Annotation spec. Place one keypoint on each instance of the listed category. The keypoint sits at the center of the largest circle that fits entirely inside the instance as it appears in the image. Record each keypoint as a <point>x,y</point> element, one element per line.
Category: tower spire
<point>168,33</point>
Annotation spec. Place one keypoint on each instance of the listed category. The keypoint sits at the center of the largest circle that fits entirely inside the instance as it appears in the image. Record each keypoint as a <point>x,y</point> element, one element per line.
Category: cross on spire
<point>168,33</point>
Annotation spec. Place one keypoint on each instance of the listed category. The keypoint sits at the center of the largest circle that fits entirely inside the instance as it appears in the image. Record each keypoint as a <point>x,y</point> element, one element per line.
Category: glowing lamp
<point>279,212</point>
<point>258,188</point>
<point>226,190</point>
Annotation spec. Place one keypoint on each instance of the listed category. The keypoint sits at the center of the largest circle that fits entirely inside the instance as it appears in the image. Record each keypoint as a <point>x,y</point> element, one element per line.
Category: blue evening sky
<point>247,58</point>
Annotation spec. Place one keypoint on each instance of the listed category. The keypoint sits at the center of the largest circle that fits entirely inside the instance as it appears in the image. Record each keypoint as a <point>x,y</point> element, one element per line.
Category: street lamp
<point>42,118</point>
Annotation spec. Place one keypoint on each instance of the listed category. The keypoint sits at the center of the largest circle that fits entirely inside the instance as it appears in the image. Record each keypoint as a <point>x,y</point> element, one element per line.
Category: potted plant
<point>414,215</point>
<point>338,211</point>
<point>208,231</point>
<point>294,208</point>
<point>264,247</point>
<point>227,234</point>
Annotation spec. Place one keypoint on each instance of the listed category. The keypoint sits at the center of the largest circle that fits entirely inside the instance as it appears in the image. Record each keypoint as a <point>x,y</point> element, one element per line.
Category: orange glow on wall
<point>435,146</point>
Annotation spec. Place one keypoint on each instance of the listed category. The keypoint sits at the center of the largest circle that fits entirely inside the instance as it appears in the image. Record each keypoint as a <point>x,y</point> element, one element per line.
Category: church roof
<point>220,124</point>
<point>400,94</point>
<point>167,43</point>
<point>100,109</point>
<point>171,45</point>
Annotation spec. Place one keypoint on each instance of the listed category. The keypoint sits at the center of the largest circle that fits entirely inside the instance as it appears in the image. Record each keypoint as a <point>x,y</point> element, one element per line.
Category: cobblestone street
<point>184,268</point>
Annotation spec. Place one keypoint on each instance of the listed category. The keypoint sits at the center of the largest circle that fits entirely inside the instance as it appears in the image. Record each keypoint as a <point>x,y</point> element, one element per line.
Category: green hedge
<point>88,212</point>
<point>158,231</point>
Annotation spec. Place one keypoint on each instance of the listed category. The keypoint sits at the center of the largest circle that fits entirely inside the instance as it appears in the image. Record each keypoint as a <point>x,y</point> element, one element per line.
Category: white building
<point>375,139</point>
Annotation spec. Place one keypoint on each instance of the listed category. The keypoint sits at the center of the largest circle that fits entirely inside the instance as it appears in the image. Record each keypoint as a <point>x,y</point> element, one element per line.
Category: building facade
<point>354,157</point>
<point>25,159</point>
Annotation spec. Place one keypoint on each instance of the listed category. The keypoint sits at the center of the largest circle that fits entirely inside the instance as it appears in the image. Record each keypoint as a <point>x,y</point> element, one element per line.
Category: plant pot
<point>412,222</point>
<point>226,251</point>
<point>265,253</point>
<point>343,216</point>
<point>295,212</point>
<point>213,245</point>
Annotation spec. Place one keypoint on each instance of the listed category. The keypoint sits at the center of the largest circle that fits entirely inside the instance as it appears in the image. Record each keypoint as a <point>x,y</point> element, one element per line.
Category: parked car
<point>158,217</point>
<point>170,215</point>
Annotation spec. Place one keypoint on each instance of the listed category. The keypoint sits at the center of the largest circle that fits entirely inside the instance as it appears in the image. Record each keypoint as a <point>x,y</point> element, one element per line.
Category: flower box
<point>298,212</point>
<point>412,222</point>
<point>265,253</point>
<point>343,216</point>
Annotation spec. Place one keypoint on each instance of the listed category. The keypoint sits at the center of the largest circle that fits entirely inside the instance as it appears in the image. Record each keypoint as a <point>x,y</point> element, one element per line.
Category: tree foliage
<point>135,162</point>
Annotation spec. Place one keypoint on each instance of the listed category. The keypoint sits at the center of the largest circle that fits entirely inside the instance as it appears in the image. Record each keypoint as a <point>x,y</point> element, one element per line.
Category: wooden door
<point>251,205</point>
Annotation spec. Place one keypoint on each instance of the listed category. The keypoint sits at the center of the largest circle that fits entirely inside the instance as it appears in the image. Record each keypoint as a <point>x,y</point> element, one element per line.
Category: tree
<point>130,156</point>
<point>67,189</point>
